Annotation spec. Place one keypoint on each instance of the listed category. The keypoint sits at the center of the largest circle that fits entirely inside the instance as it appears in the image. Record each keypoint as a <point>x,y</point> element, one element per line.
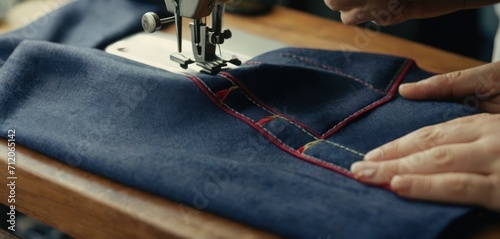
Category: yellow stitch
<point>310,144</point>
<point>233,88</point>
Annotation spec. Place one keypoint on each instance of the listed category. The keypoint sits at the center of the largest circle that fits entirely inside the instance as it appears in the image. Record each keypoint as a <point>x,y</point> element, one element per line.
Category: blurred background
<point>469,32</point>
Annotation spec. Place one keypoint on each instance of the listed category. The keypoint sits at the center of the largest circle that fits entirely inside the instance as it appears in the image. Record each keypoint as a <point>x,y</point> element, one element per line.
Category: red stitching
<point>267,134</point>
<point>395,83</point>
<point>267,107</point>
<point>223,94</point>
<point>267,119</point>
<point>299,152</point>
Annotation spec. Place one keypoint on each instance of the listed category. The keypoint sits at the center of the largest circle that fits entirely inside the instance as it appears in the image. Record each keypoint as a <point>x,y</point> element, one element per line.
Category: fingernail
<point>374,155</point>
<point>399,184</point>
<point>363,170</point>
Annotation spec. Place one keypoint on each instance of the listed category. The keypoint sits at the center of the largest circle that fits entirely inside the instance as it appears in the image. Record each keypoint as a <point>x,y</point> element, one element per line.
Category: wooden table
<point>88,206</point>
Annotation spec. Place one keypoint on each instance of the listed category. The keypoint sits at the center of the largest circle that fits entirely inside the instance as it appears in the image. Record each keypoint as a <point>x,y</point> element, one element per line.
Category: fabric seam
<point>268,134</point>
<point>392,86</point>
<point>254,99</point>
<point>398,77</point>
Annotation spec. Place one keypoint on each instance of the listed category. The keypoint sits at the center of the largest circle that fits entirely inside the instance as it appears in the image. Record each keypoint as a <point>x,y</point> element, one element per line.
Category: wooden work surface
<point>88,206</point>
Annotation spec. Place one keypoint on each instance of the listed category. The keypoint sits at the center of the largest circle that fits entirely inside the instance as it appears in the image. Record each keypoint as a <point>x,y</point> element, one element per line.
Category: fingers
<point>353,17</point>
<point>436,160</point>
<point>454,85</point>
<point>342,5</point>
<point>459,188</point>
<point>359,11</point>
<point>482,82</point>
<point>454,131</point>
<point>351,12</point>
<point>491,106</point>
<point>457,161</point>
<point>468,144</point>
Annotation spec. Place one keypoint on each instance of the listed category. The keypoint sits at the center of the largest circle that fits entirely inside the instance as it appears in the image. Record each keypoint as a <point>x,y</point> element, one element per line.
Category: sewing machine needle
<point>178,29</point>
<point>178,26</point>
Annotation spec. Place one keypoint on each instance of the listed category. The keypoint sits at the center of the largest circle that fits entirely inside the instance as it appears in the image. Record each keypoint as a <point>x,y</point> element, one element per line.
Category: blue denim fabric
<point>88,23</point>
<point>268,144</point>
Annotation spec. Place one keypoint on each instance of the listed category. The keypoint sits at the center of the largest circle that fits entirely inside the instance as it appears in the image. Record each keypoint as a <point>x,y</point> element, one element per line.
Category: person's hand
<point>386,12</point>
<point>479,86</point>
<point>457,161</point>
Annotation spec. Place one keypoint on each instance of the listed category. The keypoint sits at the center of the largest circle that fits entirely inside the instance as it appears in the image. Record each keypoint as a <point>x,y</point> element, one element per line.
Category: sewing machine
<point>204,38</point>
<point>204,45</point>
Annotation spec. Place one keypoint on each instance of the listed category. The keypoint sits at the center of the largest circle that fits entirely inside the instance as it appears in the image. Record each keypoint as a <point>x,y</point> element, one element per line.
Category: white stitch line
<point>385,92</point>
<point>272,113</point>
<point>232,82</point>
<point>339,146</point>
<point>340,73</point>
<point>271,134</point>
<point>386,95</point>
<point>334,70</point>
<point>353,115</point>
<point>345,148</point>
